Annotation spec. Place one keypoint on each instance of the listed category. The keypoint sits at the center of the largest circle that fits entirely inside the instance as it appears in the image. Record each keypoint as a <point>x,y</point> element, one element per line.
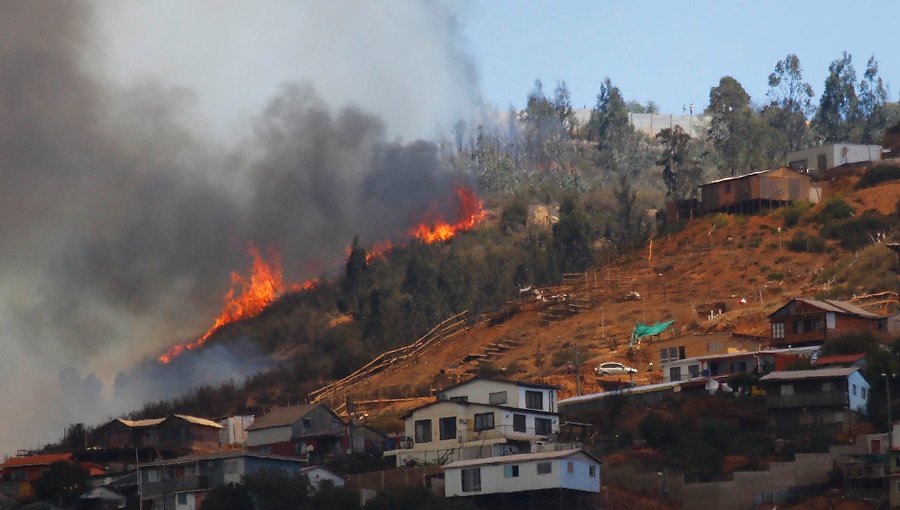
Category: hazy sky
<point>670,52</point>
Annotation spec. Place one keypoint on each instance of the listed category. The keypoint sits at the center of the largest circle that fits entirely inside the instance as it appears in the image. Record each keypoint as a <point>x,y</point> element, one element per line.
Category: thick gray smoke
<point>127,195</point>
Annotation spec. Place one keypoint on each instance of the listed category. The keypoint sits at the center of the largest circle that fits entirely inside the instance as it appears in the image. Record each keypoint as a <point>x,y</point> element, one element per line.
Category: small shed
<point>752,192</point>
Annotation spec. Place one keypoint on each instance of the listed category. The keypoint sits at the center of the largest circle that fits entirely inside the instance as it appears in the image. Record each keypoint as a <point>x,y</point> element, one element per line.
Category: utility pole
<point>887,388</point>
<point>577,370</point>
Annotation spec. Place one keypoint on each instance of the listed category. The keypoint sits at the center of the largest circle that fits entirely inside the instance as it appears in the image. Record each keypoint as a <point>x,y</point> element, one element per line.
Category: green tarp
<point>642,330</point>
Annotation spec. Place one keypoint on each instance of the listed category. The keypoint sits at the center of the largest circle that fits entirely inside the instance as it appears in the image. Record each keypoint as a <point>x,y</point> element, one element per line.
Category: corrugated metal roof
<point>521,457</point>
<point>526,384</point>
<point>734,178</point>
<point>282,416</point>
<point>36,460</point>
<point>832,305</point>
<point>822,373</point>
<point>188,459</point>
<point>199,421</point>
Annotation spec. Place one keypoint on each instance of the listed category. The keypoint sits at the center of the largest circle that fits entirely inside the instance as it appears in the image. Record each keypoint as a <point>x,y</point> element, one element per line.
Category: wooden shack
<point>755,191</point>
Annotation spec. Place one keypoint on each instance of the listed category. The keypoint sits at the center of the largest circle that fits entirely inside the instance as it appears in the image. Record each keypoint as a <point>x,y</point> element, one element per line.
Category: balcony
<point>801,400</point>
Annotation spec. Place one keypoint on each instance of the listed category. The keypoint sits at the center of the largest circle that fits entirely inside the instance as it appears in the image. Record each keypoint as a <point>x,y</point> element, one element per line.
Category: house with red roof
<point>18,474</point>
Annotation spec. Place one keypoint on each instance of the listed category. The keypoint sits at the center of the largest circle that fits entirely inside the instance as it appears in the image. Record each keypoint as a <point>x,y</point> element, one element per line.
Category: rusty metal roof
<point>822,373</point>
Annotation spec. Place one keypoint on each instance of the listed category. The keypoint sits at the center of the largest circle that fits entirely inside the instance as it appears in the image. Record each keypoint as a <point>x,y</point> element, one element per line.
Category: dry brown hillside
<point>741,262</point>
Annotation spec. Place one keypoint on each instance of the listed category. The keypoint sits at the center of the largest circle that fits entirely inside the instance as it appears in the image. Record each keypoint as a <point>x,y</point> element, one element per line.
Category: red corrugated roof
<point>36,460</point>
<point>840,358</point>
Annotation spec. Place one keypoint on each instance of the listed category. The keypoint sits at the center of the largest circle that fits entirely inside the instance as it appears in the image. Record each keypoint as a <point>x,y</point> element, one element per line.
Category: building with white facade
<point>819,159</point>
<point>480,418</point>
<point>573,469</point>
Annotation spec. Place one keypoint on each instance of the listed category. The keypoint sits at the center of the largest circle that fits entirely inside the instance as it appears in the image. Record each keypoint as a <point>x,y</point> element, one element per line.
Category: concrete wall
<point>836,155</point>
<point>747,488</point>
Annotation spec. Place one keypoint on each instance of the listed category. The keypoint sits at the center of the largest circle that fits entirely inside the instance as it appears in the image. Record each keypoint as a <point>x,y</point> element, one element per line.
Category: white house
<point>523,395</point>
<point>567,469</point>
<point>828,156</point>
<point>479,418</point>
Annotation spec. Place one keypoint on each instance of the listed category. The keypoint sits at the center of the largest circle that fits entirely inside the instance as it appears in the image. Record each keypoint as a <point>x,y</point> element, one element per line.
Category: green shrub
<point>801,243</point>
<point>835,209</point>
<point>791,214</point>
<point>856,232</point>
<point>877,174</point>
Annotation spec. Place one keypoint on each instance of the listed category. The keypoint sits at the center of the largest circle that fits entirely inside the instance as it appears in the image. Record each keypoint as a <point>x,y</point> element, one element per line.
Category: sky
<point>670,52</point>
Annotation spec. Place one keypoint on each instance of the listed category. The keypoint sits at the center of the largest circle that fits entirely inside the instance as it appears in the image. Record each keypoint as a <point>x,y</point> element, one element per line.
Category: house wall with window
<point>450,430</point>
<point>539,397</point>
<point>669,350</point>
<point>570,469</point>
<point>818,159</point>
<point>808,321</point>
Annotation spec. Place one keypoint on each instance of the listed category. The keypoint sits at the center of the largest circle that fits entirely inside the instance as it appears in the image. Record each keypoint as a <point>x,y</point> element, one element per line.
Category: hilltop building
<point>819,159</point>
<point>823,398</point>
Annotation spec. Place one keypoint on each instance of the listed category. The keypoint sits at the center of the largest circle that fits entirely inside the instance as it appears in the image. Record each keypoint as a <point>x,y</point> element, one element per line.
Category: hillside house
<point>823,398</point>
<point>572,470</point>
<point>803,321</point>
<point>479,418</point>
<point>756,362</point>
<point>670,350</point>
<point>176,432</point>
<point>311,431</point>
<point>819,159</point>
<point>18,474</point>
<point>752,192</point>
<point>518,394</point>
<point>182,483</point>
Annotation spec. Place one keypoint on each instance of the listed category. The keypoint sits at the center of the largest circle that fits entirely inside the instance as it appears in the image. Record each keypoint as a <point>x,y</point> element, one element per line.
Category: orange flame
<point>471,213</point>
<point>246,298</point>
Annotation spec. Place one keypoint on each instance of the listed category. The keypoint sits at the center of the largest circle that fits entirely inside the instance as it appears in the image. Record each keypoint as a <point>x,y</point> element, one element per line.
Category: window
<point>519,423</point>
<point>787,389</point>
<point>484,421</point>
<point>190,469</point>
<point>423,431</point>
<point>681,352</point>
<point>694,370</point>
<point>534,399</point>
<point>854,390</point>
<point>182,498</point>
<point>715,347</point>
<point>777,330</point>
<point>862,392</point>
<point>671,354</point>
<point>511,471</point>
<point>827,387</point>
<point>739,367</point>
<point>544,468</point>
<point>498,398</point>
<point>592,471</point>
<point>460,399</point>
<point>543,426</point>
<point>230,467</point>
<point>570,467</point>
<point>447,427</point>
<point>153,476</point>
<point>471,480</point>
<point>675,373</point>
<point>307,423</point>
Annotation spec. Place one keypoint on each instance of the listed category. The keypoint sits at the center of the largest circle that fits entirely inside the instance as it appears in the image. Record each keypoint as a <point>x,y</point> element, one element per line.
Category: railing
<point>806,400</point>
<point>466,436</point>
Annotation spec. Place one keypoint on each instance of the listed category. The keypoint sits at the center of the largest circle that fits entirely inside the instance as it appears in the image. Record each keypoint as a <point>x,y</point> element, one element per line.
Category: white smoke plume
<point>143,145</point>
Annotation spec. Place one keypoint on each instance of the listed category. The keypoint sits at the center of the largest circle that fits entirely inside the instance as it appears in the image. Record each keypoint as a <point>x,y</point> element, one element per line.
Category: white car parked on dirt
<point>613,368</point>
